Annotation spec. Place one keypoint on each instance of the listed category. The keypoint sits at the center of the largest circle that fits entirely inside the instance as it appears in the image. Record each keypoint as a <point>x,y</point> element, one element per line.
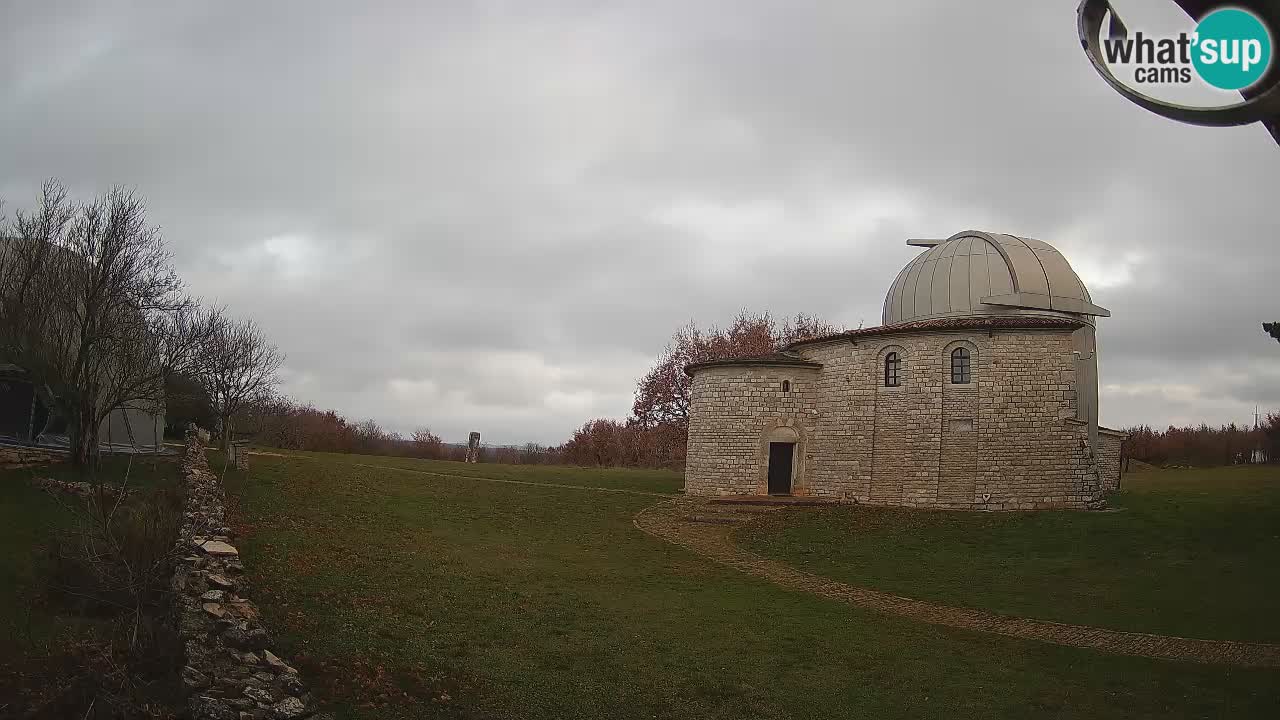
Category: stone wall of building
<point>1110,455</point>
<point>734,409</point>
<point>999,442</point>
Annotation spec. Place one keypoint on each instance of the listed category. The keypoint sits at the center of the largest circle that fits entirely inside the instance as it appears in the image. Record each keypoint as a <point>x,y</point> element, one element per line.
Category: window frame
<point>892,369</point>
<point>961,366</point>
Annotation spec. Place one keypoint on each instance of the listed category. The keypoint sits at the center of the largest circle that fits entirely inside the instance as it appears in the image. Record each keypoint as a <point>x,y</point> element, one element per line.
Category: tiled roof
<point>775,359</point>
<point>995,322</point>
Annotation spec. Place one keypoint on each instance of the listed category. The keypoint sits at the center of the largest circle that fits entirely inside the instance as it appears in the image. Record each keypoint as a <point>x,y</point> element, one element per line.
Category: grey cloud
<point>493,217</point>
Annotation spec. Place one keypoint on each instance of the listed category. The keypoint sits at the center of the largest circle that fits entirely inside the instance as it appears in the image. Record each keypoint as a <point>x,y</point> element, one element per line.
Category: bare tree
<point>426,443</point>
<point>370,437</point>
<point>236,366</point>
<point>92,308</point>
<point>532,453</point>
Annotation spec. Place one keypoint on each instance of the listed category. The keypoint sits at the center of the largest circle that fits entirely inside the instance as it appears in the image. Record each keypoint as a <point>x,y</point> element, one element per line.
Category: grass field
<point>27,515</point>
<point>1189,552</point>
<point>413,589</point>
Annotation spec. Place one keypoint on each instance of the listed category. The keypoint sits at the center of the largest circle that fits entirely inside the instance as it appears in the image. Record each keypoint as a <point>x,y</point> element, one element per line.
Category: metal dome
<point>975,273</point>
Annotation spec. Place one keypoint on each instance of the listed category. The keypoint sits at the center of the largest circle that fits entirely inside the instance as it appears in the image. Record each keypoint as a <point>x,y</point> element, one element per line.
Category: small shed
<point>26,417</point>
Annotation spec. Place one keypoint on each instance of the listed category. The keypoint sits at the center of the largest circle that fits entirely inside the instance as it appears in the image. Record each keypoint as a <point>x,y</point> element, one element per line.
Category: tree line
<point>1206,446</point>
<point>96,316</point>
<point>280,422</point>
<point>657,432</point>
<point>655,435</point>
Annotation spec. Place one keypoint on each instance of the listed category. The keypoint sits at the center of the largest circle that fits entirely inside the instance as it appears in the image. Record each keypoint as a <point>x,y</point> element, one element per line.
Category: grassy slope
<point>1192,553</point>
<point>518,601</point>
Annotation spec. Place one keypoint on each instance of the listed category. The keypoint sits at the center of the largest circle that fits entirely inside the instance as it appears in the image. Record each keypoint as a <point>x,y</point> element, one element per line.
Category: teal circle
<point>1226,41</point>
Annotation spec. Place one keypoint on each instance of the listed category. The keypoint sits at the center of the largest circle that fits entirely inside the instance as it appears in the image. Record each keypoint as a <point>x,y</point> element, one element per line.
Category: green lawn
<point>611,478</point>
<point>406,595</point>
<point>1191,552</point>
<point>27,515</point>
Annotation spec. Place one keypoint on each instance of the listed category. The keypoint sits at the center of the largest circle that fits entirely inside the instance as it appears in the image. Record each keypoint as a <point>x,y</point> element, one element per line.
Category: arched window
<point>961,373</point>
<point>892,366</point>
<point>786,386</point>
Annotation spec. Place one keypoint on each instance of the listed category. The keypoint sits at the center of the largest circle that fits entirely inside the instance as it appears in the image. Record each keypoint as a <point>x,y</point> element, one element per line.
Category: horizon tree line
<point>94,311</point>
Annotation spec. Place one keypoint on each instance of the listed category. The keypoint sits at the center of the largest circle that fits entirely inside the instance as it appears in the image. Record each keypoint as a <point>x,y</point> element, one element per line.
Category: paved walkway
<point>705,528</point>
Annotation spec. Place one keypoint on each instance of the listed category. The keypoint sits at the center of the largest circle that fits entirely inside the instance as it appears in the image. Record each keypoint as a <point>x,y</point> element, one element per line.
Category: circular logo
<point>1232,49</point>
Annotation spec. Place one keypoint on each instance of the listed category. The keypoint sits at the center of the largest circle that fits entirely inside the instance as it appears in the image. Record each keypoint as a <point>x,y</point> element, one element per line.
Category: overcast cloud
<point>492,215</point>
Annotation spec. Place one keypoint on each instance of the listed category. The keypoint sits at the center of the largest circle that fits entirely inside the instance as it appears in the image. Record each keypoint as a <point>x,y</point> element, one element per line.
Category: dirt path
<point>706,529</point>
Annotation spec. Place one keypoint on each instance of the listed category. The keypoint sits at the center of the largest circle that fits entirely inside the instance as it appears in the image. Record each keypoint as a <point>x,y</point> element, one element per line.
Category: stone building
<point>979,391</point>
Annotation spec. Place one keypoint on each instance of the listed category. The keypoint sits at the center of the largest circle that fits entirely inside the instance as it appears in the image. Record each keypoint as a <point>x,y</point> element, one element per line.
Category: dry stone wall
<point>231,672</point>
<point>1005,441</point>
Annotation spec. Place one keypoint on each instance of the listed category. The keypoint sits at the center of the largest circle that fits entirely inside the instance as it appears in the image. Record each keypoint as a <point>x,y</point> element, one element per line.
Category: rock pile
<point>65,487</point>
<point>231,672</point>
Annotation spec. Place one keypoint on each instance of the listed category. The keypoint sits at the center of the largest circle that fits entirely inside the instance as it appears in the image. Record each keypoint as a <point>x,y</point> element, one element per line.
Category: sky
<point>491,216</point>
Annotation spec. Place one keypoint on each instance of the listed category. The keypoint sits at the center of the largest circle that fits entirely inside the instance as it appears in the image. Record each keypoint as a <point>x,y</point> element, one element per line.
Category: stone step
<point>771,501</point>
<point>716,519</point>
<point>741,508</point>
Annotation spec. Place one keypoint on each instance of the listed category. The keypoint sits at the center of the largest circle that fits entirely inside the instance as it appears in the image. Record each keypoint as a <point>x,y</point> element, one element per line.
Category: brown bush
<point>1204,446</point>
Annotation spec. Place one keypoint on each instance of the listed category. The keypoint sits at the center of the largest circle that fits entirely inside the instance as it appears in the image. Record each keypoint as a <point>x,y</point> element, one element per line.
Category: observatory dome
<point>976,274</point>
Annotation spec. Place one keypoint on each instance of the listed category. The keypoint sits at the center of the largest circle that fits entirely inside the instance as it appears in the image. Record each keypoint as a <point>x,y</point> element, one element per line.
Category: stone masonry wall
<point>735,408</point>
<point>1031,457</point>
<point>231,673</point>
<point>999,443</point>
<point>1109,457</point>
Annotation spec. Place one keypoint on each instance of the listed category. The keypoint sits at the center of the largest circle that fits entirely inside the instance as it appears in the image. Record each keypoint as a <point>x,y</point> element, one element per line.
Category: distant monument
<point>473,447</point>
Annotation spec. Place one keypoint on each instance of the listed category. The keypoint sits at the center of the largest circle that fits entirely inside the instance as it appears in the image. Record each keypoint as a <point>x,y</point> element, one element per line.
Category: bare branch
<point>91,307</point>
<point>236,366</point>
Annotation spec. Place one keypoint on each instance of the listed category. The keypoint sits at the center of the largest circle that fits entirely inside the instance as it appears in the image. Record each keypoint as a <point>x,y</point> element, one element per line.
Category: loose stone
<point>219,548</point>
<point>290,708</point>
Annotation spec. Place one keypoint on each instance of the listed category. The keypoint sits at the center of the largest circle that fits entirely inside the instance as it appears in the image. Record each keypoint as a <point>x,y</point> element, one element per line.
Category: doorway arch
<point>782,453</point>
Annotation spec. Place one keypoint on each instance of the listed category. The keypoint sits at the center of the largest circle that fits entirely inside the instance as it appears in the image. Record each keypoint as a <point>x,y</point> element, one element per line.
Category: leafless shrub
<point>427,444</point>
<point>110,571</point>
<point>116,558</point>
